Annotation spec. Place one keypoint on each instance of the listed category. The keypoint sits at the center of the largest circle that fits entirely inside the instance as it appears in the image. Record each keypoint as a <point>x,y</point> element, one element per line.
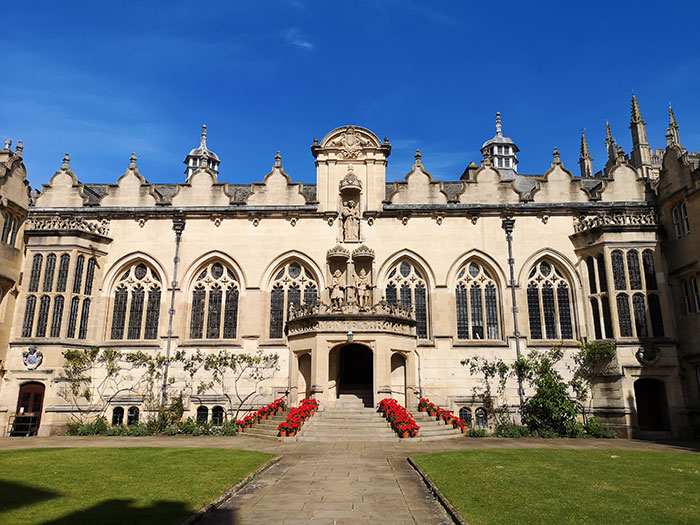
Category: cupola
<point>501,151</point>
<point>201,157</point>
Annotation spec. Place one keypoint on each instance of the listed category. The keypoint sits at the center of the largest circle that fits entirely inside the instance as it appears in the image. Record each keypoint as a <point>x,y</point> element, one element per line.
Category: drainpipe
<point>508,224</point>
<point>178,227</point>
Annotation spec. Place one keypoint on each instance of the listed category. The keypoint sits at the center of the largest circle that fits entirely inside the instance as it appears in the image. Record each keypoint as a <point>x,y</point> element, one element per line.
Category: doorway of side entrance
<point>30,402</point>
<point>355,372</point>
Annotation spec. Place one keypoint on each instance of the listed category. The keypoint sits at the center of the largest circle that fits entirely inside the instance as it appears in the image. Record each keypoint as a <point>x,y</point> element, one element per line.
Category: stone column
<point>382,372</point>
<point>319,372</point>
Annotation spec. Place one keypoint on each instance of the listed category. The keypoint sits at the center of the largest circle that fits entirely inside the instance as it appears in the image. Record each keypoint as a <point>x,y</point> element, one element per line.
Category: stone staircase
<point>267,428</point>
<point>433,430</point>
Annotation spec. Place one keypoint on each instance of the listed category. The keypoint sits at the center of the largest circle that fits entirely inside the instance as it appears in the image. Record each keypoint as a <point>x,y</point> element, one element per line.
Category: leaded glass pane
<point>132,416</point>
<point>462,315</point>
<point>197,318</point>
<point>15,228</point>
<point>491,312</point>
<point>63,273</point>
<point>477,315</point>
<point>640,315</point>
<point>214,312</point>
<point>294,270</point>
<point>391,293</point>
<point>473,269</point>
<point>89,276</point>
<point>231,313</point>
<point>117,416</point>
<point>649,269</point>
<point>217,270</point>
<point>119,313</point>
<point>657,324</point>
<point>202,275</point>
<point>590,263</point>
<point>405,269</point>
<point>202,415</point>
<point>152,314</point>
<point>29,316</point>
<point>596,318</point>
<point>405,295</point>
<point>217,416</point>
<point>633,268</point>
<point>466,415</point>
<point>73,319</point>
<point>545,269</point>
<point>84,318</point>
<point>293,296</point>
<point>550,315</point>
<point>567,331</point>
<point>618,266</point>
<point>421,312</point>
<point>276,312</point>
<point>140,271</point>
<point>6,226</point>
<point>623,314</point>
<point>36,272</point>
<point>607,317</point>
<point>310,294</point>
<point>533,310</point>
<point>57,316</point>
<point>48,272</point>
<point>136,313</point>
<point>80,262</point>
<point>602,276</point>
<point>42,319</point>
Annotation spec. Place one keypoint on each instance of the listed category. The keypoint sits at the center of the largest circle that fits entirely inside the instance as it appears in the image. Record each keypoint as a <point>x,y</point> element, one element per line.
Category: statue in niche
<point>363,289</point>
<point>351,221</point>
<point>337,294</point>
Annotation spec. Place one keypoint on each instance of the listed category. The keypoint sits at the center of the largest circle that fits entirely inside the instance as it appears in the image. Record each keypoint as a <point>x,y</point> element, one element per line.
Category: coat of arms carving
<point>32,358</point>
<point>350,143</point>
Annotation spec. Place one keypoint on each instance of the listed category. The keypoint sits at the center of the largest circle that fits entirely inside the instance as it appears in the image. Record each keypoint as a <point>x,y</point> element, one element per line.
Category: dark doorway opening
<point>356,373</point>
<point>652,408</point>
<point>29,405</point>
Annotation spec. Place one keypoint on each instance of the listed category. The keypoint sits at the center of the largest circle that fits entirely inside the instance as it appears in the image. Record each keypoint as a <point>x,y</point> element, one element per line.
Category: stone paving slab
<point>339,482</point>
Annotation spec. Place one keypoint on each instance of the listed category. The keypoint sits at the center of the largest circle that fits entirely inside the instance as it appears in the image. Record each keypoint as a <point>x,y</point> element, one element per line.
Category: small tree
<point>590,362</point>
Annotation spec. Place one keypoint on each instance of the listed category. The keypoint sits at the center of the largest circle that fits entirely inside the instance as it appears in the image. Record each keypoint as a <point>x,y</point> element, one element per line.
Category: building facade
<point>365,286</point>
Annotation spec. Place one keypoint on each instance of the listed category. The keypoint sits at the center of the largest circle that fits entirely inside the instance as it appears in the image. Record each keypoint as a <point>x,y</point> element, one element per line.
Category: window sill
<point>552,342</point>
<point>132,342</point>
<point>235,343</point>
<point>478,342</point>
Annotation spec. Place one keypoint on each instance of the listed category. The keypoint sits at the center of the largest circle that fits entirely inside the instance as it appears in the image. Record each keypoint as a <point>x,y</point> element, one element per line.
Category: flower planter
<point>465,430</point>
<point>422,409</point>
<point>283,433</point>
<point>264,416</point>
<point>248,425</point>
<point>414,434</point>
<point>431,413</point>
<point>405,435</point>
<point>291,433</point>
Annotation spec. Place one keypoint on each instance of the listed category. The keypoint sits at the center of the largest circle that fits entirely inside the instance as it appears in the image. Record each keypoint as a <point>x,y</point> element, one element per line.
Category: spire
<point>636,114</point>
<point>610,144</point>
<point>132,161</point>
<point>641,153</point>
<point>672,137</point>
<point>608,133</point>
<point>66,162</point>
<point>203,140</point>
<point>498,123</point>
<point>585,161</point>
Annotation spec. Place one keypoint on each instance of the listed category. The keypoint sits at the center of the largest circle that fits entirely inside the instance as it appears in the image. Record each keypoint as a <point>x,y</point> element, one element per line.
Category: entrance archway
<point>652,408</point>
<point>355,372</point>
<point>30,402</point>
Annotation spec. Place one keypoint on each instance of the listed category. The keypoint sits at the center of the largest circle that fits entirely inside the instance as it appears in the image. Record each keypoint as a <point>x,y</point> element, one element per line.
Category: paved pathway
<point>335,483</point>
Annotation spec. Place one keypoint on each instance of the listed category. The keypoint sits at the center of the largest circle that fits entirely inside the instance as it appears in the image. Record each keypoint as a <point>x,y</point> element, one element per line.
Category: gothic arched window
<point>117,416</point>
<point>217,416</point>
<point>292,283</point>
<point>136,297</point>
<point>412,289</point>
<point>216,292</point>
<point>132,416</point>
<point>202,415</point>
<point>549,302</point>
<point>477,303</point>
<point>599,297</point>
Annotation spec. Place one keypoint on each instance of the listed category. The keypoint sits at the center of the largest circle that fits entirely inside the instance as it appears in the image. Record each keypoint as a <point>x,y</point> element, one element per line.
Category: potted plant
<point>423,404</point>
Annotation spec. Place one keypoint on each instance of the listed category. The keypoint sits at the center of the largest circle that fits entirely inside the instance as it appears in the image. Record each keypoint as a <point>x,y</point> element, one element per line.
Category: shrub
<point>508,430</point>
<point>94,428</point>
<point>546,433</point>
<point>118,430</point>
<point>138,429</point>
<point>170,431</point>
<point>477,433</point>
<point>598,429</point>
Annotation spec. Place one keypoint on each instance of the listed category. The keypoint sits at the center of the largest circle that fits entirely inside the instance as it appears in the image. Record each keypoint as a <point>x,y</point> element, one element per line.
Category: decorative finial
<point>555,155</point>
<point>608,132</point>
<point>8,143</point>
<point>671,116</point>
<point>203,140</point>
<point>386,140</point>
<point>315,141</point>
<point>585,153</point>
<point>498,123</point>
<point>20,148</point>
<point>636,114</point>
<point>672,136</point>
<point>418,157</point>
<point>278,160</point>
<point>66,161</point>
<point>132,160</point>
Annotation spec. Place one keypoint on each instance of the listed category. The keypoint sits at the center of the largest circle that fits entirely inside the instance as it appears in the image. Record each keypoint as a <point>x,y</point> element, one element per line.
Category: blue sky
<point>100,81</point>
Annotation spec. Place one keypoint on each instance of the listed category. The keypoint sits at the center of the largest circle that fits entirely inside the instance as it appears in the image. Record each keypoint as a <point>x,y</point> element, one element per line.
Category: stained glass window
<point>42,319</point>
<point>209,302</point>
<point>623,314</point>
<point>57,316</point>
<point>649,269</point>
<point>477,325</point>
<point>286,290</point>
<point>657,324</point>
<point>197,319</point>
<point>79,263</point>
<point>29,316</point>
<point>231,313</point>
<point>136,313</point>
<point>48,272</point>
<point>119,315</point>
<point>533,309</point>
<point>640,314</point>
<point>214,312</point>
<point>406,280</point>
<point>63,273</point>
<point>618,266</point>
<point>462,313</point>
<point>607,317</point>
<point>36,272</point>
<point>635,275</point>
<point>84,319</point>
<point>477,306</point>
<point>549,300</point>
<point>73,318</point>
<point>152,313</point>
<point>564,304</point>
<point>550,321</point>
<point>90,275</point>
<point>602,276</point>
<point>596,318</point>
<point>590,263</point>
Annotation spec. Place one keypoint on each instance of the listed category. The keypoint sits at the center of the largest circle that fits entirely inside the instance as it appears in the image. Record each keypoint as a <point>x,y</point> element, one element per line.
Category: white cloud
<point>293,36</point>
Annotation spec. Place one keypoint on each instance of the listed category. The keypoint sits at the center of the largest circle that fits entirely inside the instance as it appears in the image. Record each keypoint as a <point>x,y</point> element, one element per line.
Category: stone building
<point>365,286</point>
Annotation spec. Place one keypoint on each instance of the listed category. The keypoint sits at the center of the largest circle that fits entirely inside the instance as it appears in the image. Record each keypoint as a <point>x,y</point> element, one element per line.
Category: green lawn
<point>116,485</point>
<point>568,486</point>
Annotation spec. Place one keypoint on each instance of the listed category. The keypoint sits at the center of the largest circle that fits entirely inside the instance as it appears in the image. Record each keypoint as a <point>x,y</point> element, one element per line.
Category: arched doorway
<point>355,372</point>
<point>30,402</point>
<point>652,408</point>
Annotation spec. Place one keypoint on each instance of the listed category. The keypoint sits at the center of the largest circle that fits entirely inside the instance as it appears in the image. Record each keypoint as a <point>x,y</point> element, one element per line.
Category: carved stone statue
<point>351,221</point>
<point>364,290</point>
<point>337,294</point>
